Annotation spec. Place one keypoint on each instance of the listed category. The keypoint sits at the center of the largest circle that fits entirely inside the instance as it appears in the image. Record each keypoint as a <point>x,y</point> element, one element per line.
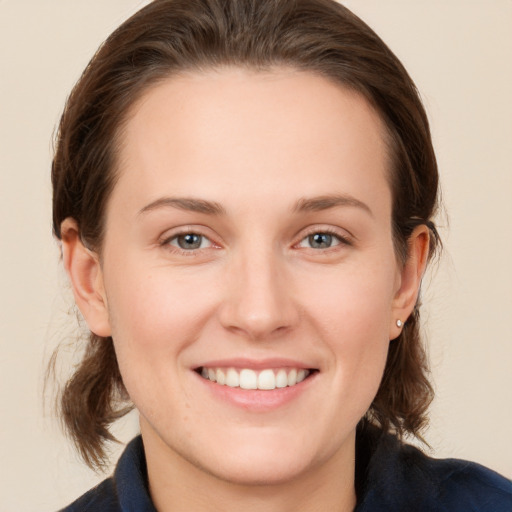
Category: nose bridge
<point>258,301</point>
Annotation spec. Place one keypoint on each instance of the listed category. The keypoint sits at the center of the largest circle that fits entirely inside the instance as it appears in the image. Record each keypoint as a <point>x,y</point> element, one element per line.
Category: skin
<point>257,145</point>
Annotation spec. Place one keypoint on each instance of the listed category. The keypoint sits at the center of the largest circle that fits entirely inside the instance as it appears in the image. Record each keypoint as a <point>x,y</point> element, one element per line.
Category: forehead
<point>268,132</point>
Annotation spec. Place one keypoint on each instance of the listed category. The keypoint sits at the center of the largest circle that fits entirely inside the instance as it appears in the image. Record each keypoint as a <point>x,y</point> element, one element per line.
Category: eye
<point>321,240</point>
<point>189,241</point>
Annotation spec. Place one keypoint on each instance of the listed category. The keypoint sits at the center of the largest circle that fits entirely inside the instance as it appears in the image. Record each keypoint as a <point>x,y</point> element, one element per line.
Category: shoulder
<point>467,486</point>
<point>400,477</point>
<point>101,498</point>
<point>126,490</point>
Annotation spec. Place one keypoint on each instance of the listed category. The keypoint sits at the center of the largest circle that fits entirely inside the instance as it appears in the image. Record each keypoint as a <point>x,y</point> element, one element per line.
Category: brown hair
<point>168,36</point>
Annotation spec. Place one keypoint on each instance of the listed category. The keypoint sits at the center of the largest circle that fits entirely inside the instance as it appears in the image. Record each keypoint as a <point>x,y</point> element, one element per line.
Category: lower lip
<point>258,400</point>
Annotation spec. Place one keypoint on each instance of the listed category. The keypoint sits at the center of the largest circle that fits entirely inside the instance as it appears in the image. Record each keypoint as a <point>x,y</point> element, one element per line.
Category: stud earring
<point>399,323</point>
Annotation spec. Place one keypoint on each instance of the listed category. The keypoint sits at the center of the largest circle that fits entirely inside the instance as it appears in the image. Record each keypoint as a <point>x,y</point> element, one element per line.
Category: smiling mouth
<point>246,378</point>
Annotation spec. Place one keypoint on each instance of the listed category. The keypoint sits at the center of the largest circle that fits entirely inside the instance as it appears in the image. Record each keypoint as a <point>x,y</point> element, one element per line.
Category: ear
<point>409,279</point>
<point>83,268</point>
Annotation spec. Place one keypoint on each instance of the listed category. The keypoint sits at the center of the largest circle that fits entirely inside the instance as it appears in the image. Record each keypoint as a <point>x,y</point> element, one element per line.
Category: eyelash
<point>186,252</point>
<point>342,241</point>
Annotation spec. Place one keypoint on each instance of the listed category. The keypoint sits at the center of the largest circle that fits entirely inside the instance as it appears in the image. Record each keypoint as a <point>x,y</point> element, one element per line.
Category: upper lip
<point>255,364</point>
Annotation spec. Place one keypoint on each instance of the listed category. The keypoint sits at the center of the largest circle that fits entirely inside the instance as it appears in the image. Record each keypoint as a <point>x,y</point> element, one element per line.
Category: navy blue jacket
<point>390,477</point>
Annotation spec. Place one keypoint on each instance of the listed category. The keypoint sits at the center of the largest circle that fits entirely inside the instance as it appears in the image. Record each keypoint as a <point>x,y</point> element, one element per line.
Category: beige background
<point>460,54</point>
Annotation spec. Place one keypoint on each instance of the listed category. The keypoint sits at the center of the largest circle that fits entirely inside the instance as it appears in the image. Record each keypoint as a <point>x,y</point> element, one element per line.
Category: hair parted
<point>171,36</point>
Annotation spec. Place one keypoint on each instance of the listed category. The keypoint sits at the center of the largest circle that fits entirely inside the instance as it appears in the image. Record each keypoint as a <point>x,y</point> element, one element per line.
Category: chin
<point>259,469</point>
<point>265,458</point>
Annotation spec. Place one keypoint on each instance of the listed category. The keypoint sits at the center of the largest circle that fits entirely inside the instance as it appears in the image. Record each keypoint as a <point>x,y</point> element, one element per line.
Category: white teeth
<point>220,377</point>
<point>249,379</point>
<point>232,378</point>
<point>281,379</point>
<point>267,380</point>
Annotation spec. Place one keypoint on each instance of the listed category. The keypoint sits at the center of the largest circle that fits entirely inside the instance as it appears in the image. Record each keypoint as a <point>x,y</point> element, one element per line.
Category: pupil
<point>189,241</point>
<point>320,240</point>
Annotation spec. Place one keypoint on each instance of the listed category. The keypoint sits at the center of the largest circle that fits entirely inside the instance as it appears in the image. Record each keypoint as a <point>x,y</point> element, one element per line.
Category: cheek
<point>355,301</point>
<point>155,316</point>
<point>154,319</point>
<point>351,314</point>
<point>148,308</point>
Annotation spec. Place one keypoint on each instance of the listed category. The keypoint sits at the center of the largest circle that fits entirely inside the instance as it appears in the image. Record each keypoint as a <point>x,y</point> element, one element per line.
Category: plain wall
<point>460,55</point>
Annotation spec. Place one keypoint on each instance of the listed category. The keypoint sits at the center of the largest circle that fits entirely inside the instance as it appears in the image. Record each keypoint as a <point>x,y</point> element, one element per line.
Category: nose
<point>259,301</point>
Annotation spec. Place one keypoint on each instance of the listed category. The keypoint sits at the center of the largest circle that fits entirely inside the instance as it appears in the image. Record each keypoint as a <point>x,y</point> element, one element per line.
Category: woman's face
<point>249,239</point>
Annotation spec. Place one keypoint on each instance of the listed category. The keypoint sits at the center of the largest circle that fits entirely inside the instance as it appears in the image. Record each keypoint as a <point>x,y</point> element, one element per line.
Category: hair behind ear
<point>405,392</point>
<point>93,399</point>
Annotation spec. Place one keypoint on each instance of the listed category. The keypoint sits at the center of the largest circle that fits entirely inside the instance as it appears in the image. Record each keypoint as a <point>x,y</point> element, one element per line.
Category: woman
<point>244,191</point>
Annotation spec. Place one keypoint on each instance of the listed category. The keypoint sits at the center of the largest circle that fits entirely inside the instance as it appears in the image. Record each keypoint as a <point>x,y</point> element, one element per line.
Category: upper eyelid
<point>342,241</point>
<point>341,233</point>
<point>172,233</point>
<point>165,243</point>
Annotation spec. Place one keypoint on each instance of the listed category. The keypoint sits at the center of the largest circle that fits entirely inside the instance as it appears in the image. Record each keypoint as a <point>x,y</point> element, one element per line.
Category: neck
<point>177,484</point>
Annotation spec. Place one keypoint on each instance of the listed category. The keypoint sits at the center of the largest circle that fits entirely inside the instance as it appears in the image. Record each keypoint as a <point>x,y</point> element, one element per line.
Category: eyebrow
<point>312,204</point>
<point>319,203</point>
<point>185,203</point>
